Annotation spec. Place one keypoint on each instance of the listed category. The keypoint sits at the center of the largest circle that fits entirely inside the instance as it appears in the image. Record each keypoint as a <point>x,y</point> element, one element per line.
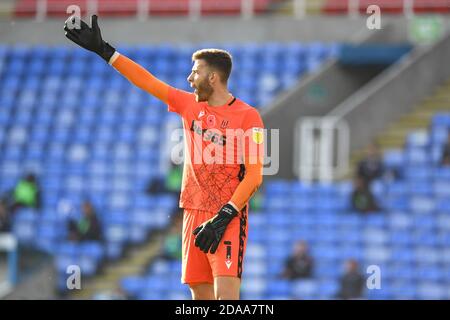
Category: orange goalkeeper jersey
<point>217,140</point>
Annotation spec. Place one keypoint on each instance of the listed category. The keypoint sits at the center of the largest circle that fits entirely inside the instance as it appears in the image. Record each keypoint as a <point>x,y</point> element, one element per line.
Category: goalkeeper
<point>222,166</point>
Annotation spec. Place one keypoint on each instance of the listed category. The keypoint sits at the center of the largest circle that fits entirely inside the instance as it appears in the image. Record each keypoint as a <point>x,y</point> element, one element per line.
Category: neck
<point>219,97</point>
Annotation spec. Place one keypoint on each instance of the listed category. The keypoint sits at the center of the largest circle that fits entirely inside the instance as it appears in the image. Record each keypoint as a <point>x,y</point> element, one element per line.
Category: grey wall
<point>395,92</point>
<point>218,29</point>
<point>316,96</point>
<point>312,97</point>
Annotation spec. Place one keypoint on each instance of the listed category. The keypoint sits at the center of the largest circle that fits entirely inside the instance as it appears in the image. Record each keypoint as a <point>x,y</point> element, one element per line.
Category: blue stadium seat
<point>159,267</point>
<point>404,238</point>
<point>93,250</point>
<point>418,156</point>
<point>431,291</point>
<point>426,238</point>
<point>424,254</point>
<point>328,289</point>
<point>397,203</point>
<point>418,173</point>
<point>422,204</point>
<point>418,139</point>
<point>393,158</point>
<point>385,293</point>
<point>420,188</point>
<point>254,285</point>
<point>441,119</point>
<point>350,236</point>
<point>442,173</point>
<point>276,187</point>
<point>403,269</point>
<point>155,283</point>
<point>399,221</point>
<point>439,135</point>
<point>152,295</point>
<point>279,287</point>
<point>114,250</point>
<point>327,252</point>
<point>132,285</point>
<point>25,226</point>
<point>305,289</point>
<point>403,290</point>
<point>443,221</point>
<point>305,204</point>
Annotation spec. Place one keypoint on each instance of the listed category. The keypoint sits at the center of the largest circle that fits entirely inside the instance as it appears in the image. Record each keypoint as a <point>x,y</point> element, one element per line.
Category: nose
<point>189,78</point>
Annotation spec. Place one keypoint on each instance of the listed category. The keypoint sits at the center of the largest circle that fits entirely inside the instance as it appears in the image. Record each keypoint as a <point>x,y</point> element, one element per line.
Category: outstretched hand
<point>89,38</point>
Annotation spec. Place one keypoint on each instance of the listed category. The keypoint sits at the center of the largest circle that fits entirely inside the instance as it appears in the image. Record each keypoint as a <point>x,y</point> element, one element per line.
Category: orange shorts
<point>200,267</point>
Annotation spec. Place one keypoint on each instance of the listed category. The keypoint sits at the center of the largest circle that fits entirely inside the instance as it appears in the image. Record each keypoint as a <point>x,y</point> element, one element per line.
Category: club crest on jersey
<point>258,135</point>
<point>211,121</point>
<point>224,124</point>
<point>228,261</point>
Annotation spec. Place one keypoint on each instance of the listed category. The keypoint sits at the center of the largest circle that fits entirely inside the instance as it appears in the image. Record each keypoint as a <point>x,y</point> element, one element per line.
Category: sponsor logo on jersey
<point>208,135</point>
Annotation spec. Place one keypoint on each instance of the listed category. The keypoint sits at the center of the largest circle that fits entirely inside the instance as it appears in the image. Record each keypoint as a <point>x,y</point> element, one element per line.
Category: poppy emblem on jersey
<point>211,121</point>
<point>258,135</point>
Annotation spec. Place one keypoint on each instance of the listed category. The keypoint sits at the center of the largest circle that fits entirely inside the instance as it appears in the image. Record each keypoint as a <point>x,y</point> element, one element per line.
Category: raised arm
<point>90,38</point>
<point>140,77</point>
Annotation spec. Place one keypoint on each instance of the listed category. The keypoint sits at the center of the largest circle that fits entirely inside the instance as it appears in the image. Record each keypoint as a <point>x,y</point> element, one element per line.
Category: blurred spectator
<point>362,198</point>
<point>88,227</point>
<point>300,264</point>
<point>352,282</point>
<point>171,183</point>
<point>171,249</point>
<point>445,161</point>
<point>26,193</point>
<point>5,219</point>
<point>256,202</point>
<point>173,179</point>
<point>371,167</point>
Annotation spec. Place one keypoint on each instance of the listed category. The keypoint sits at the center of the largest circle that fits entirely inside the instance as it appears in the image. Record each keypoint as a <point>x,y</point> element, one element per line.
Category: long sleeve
<point>140,77</point>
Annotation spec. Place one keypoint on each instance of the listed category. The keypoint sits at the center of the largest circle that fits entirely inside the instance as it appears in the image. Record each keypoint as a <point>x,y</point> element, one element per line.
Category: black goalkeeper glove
<point>89,38</point>
<point>209,234</point>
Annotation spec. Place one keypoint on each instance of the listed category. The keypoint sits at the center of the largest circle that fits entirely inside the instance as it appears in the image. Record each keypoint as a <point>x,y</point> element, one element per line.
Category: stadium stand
<point>409,239</point>
<point>88,134</point>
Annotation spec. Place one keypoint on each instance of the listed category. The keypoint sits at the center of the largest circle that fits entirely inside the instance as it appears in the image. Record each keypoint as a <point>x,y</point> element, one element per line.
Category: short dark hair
<point>218,59</point>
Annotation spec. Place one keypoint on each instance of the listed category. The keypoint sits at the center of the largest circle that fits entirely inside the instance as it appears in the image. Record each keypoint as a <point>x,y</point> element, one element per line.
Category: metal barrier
<point>9,244</point>
<point>321,148</point>
<point>142,9</point>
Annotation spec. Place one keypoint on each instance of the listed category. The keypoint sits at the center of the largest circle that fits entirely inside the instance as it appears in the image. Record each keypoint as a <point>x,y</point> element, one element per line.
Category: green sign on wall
<point>426,29</point>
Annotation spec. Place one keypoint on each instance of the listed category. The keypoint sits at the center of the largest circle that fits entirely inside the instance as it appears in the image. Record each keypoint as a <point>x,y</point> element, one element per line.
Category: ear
<point>212,77</point>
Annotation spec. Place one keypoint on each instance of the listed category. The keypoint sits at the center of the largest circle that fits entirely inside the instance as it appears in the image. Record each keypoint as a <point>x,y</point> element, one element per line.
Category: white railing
<point>9,244</point>
<point>321,148</point>
<point>142,9</point>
